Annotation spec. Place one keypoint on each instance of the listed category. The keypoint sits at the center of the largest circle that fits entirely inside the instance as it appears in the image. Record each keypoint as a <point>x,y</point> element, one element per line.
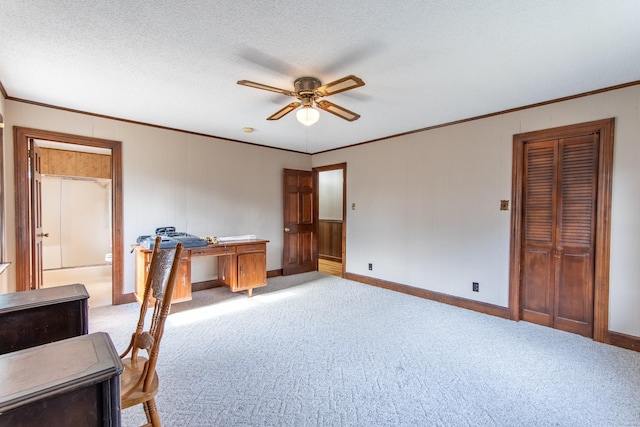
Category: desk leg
<point>249,292</point>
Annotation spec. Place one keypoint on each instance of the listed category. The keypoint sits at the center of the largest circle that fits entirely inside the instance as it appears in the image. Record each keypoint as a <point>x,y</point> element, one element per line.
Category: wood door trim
<point>603,218</point>
<point>20,146</point>
<point>316,208</point>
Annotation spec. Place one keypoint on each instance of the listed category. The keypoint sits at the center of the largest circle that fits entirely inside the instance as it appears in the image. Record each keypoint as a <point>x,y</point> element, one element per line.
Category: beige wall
<point>201,185</point>
<point>427,204</point>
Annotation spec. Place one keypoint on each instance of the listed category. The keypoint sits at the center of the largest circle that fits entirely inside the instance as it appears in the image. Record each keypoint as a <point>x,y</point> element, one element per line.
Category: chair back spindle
<point>139,381</point>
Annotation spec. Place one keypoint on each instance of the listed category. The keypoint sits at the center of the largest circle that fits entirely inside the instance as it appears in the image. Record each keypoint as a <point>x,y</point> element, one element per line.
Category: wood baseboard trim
<point>126,299</point>
<point>616,339</point>
<point>274,273</point>
<point>207,284</point>
<point>482,307</point>
<point>629,342</point>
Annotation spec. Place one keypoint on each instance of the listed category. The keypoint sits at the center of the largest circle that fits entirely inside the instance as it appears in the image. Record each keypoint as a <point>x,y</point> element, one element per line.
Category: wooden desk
<point>42,316</point>
<point>242,266</point>
<point>73,382</point>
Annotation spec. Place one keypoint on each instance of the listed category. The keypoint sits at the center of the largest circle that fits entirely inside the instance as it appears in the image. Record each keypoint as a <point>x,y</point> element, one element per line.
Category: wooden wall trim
<point>625,341</point>
<point>497,113</point>
<point>3,228</point>
<point>613,338</point>
<point>21,138</point>
<point>481,307</point>
<point>135,122</point>
<point>21,168</point>
<point>274,273</point>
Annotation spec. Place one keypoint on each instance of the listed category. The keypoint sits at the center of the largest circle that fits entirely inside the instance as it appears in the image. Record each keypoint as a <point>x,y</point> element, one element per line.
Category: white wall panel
<point>85,222</point>
<point>330,185</point>
<point>51,197</point>
<point>452,230</point>
<point>426,203</point>
<point>198,184</point>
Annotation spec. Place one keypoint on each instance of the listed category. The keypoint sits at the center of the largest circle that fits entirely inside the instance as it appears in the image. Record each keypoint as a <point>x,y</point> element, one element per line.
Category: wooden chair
<point>139,380</point>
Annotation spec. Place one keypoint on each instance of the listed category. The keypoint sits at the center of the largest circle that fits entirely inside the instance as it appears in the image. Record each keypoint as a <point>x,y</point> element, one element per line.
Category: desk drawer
<point>213,250</point>
<point>256,247</point>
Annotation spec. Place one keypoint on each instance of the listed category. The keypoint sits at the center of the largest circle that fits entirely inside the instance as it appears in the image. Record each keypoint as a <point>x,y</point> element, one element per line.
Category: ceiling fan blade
<point>284,111</point>
<point>332,108</point>
<point>265,87</point>
<point>340,85</point>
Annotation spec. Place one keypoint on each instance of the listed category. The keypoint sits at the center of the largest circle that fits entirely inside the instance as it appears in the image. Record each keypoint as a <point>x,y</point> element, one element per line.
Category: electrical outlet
<point>476,287</point>
<point>370,266</point>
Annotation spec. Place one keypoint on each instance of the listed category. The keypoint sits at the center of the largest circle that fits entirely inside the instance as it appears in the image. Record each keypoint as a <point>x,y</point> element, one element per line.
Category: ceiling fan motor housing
<point>305,86</point>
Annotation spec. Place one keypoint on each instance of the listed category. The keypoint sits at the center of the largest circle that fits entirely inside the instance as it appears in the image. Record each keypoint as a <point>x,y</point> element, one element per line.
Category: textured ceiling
<point>175,63</point>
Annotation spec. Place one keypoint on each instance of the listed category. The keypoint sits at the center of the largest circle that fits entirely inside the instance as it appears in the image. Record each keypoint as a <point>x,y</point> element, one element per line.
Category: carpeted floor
<point>317,350</point>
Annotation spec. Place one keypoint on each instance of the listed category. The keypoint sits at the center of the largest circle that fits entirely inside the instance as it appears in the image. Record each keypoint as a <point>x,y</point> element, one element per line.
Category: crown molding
<point>3,92</point>
<point>456,122</point>
<point>497,113</point>
<point>103,116</point>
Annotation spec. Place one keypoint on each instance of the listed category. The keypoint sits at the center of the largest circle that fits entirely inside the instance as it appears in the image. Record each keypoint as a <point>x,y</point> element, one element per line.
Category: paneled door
<point>559,223</point>
<point>298,230</point>
<point>35,171</point>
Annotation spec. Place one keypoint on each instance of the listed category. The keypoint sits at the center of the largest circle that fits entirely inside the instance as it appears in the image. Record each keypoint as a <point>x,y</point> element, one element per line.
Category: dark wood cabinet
<point>73,382</point>
<point>42,316</point>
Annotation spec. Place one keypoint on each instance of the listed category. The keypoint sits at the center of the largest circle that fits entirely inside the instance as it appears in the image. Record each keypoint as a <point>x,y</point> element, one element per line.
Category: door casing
<point>23,234</point>
<point>603,217</point>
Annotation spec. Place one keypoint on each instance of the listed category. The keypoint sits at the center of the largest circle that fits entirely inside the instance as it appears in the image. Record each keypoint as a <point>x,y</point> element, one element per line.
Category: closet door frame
<point>603,217</point>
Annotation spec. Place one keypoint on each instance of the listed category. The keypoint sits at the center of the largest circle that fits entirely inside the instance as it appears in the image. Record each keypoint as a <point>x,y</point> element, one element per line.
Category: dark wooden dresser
<point>73,382</point>
<point>42,316</point>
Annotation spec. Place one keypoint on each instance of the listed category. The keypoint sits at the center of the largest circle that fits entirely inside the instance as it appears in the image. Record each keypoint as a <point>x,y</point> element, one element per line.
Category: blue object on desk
<point>171,238</point>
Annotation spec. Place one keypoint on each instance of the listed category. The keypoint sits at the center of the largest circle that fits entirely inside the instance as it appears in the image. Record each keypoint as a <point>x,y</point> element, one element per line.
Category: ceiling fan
<point>308,90</point>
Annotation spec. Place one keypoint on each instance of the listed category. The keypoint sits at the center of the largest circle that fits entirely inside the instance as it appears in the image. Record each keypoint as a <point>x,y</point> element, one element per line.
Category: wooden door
<point>298,231</point>
<point>557,276</point>
<point>35,172</point>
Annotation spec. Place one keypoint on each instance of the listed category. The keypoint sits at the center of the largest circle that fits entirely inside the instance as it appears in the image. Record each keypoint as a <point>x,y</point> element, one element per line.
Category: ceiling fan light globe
<point>307,116</point>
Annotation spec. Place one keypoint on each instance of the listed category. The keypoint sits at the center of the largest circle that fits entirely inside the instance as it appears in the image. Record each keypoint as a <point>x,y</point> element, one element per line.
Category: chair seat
<point>131,383</point>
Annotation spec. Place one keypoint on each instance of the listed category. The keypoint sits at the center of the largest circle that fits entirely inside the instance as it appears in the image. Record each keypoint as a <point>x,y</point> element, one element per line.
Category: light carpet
<point>318,350</point>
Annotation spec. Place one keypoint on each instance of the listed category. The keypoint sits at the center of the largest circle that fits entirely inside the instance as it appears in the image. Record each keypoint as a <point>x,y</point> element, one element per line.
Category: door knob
<point>286,229</point>
<point>43,234</point>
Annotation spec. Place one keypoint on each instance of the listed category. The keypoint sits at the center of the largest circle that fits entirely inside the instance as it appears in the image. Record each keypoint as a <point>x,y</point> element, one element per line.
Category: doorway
<point>28,260</point>
<point>561,227</point>
<point>330,217</point>
<point>76,218</point>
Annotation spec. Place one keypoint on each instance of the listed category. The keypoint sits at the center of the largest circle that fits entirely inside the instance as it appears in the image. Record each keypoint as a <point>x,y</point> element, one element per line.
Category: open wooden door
<point>299,255</point>
<point>35,172</point>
